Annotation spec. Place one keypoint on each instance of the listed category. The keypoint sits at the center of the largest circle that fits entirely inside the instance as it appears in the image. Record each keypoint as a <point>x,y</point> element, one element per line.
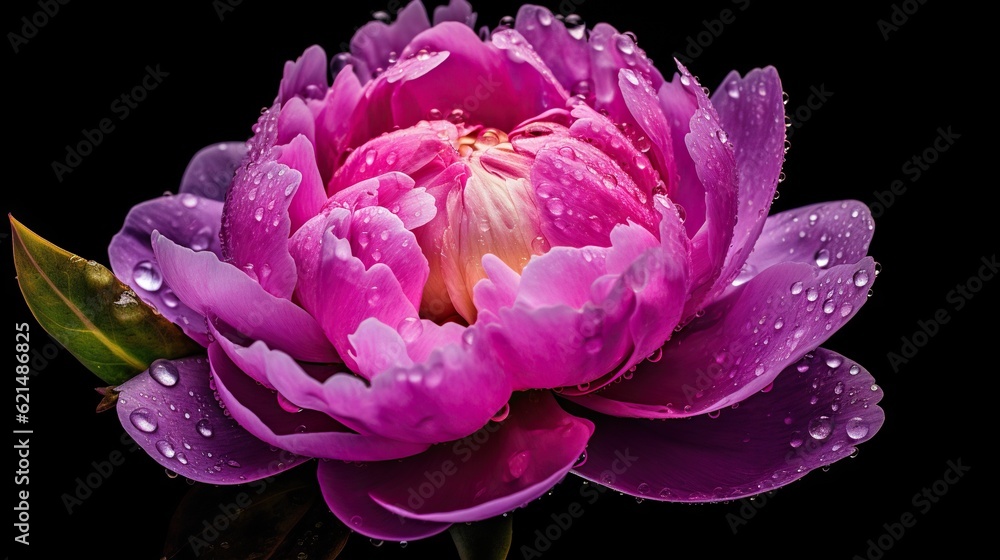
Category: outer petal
<point>175,418</point>
<point>815,415</point>
<point>189,220</point>
<point>499,468</point>
<point>752,114</point>
<point>212,287</point>
<point>374,44</point>
<point>344,488</point>
<point>565,52</point>
<point>826,234</point>
<point>211,170</point>
<point>306,432</point>
<point>456,10</point>
<point>715,165</point>
<point>306,77</point>
<point>741,343</point>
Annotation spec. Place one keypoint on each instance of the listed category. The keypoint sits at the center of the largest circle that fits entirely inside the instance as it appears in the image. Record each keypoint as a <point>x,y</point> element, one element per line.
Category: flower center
<point>493,212</point>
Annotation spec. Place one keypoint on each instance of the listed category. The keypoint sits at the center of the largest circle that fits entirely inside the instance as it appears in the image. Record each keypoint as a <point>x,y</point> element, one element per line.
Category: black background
<point>888,99</point>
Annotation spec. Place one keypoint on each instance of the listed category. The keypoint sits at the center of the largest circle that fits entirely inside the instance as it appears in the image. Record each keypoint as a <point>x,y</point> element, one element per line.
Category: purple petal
<point>741,343</point>
<point>376,41</point>
<point>306,432</point>
<point>345,489</point>
<point>815,414</point>
<point>211,170</point>
<point>306,77</point>
<point>456,10</point>
<point>170,411</point>
<point>753,120</point>
<point>611,51</point>
<point>566,53</point>
<point>826,234</point>
<point>595,129</point>
<point>189,220</point>
<point>497,469</point>
<point>212,287</point>
<point>715,165</point>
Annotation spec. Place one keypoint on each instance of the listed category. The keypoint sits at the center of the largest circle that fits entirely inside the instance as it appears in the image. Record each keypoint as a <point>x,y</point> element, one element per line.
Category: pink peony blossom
<point>476,263</point>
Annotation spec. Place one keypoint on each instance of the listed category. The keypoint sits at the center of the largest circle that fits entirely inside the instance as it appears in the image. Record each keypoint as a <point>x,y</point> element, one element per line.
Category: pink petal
<point>741,343</point>
<point>308,432</point>
<point>212,287</point>
<point>310,196</point>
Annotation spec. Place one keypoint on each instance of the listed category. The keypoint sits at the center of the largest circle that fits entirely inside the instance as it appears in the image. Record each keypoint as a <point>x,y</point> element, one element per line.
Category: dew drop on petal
<point>147,276</point>
<point>165,448</point>
<point>857,428</point>
<point>861,278</point>
<point>518,463</point>
<point>204,428</point>
<point>796,288</point>
<point>820,427</point>
<point>144,420</point>
<point>164,372</point>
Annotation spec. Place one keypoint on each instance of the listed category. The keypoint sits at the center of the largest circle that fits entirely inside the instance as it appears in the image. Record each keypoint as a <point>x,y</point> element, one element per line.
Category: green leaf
<point>484,540</point>
<point>270,519</point>
<point>97,318</point>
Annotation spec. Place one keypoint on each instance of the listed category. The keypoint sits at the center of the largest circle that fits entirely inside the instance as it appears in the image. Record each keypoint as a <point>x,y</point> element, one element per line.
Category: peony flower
<point>475,263</point>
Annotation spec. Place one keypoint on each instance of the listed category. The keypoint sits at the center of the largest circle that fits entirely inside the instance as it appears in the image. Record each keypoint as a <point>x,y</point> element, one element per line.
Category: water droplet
<point>147,276</point>
<point>581,460</point>
<point>410,328</point>
<point>204,428</point>
<point>544,17</point>
<point>539,245</point>
<point>182,458</point>
<point>143,419</point>
<point>258,214</point>
<point>518,463</point>
<point>643,488</point>
<point>723,137</point>
<point>812,294</point>
<point>829,306</point>
<point>822,258</point>
<point>857,428</point>
<point>555,206</point>
<point>166,449</point>
<point>855,369</point>
<point>610,181</point>
<point>502,414</point>
<point>356,521</point>
<point>625,44</point>
<point>715,414</point>
<point>164,372</point>
<point>796,440</point>
<point>838,389</point>
<point>583,387</point>
<point>834,362</point>
<point>656,356</point>
<point>820,428</point>
<point>846,308</point>
<point>287,405</point>
<point>861,278</point>
<point>796,288</point>
<point>733,89</point>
